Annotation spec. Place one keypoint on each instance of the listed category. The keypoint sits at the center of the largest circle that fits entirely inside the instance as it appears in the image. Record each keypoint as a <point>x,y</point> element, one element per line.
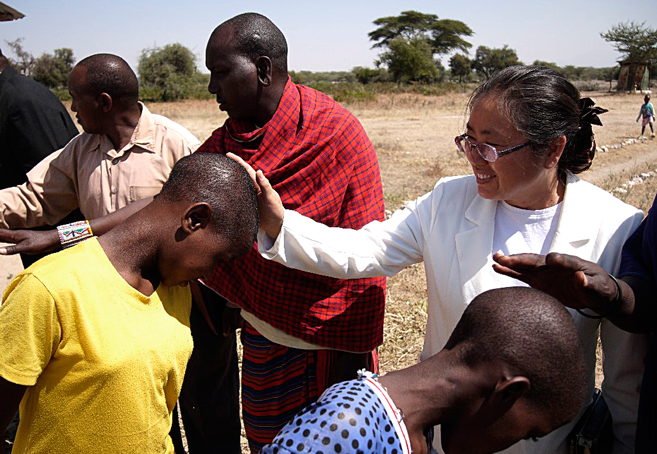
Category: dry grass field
<point>413,136</point>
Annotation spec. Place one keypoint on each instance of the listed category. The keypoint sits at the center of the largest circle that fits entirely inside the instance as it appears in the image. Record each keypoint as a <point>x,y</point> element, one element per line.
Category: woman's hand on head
<point>270,205</point>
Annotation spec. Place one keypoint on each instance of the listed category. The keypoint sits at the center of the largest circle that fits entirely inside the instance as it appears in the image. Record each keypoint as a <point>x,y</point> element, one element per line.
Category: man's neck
<point>123,127</point>
<point>272,99</point>
<point>427,393</point>
<point>131,247</point>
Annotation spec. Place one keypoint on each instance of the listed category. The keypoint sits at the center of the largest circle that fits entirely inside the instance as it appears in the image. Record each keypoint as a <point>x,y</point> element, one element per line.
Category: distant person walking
<point>647,112</point>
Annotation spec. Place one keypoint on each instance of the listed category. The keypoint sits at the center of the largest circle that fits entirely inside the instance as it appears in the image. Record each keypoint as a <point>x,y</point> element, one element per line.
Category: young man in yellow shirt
<point>94,340</point>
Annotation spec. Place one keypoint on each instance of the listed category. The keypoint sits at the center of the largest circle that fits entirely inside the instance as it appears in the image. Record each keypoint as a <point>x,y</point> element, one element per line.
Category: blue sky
<point>322,36</point>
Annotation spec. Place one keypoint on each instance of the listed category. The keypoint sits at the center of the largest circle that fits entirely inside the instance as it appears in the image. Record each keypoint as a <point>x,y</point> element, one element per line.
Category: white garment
<point>517,229</point>
<point>451,229</point>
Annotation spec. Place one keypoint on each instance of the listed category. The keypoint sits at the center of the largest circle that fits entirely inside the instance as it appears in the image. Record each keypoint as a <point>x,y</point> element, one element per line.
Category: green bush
<point>168,73</point>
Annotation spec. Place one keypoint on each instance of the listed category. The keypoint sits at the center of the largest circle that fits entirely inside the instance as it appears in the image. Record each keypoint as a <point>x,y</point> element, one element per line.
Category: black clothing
<point>33,124</point>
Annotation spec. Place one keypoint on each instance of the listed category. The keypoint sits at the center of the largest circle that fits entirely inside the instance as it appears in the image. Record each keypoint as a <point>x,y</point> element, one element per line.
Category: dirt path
<point>623,162</point>
<point>600,174</point>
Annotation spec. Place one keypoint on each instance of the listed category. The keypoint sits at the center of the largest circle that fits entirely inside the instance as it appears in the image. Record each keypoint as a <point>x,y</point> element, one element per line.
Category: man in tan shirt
<point>124,154</point>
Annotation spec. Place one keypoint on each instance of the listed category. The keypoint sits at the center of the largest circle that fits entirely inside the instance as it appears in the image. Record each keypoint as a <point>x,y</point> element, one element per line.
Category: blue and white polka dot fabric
<point>354,417</point>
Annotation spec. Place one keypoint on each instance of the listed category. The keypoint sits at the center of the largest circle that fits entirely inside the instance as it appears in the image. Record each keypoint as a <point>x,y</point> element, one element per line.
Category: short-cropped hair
<point>108,73</point>
<point>534,334</point>
<point>223,184</point>
<point>255,36</point>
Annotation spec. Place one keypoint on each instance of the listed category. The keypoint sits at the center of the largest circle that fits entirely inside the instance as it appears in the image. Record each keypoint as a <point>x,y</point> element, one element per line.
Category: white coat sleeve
<point>377,249</point>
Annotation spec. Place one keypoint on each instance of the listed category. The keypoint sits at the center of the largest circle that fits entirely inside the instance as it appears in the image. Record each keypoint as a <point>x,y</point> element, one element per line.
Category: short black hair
<point>108,73</point>
<point>223,184</point>
<point>534,334</point>
<point>256,36</point>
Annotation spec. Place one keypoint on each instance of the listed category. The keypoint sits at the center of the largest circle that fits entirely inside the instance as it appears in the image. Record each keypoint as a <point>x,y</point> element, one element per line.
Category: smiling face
<point>519,178</point>
<point>233,77</point>
<point>87,107</point>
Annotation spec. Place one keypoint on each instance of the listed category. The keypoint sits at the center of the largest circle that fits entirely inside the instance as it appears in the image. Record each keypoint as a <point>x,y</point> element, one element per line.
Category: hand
<point>269,202</point>
<point>29,241</point>
<point>577,283</point>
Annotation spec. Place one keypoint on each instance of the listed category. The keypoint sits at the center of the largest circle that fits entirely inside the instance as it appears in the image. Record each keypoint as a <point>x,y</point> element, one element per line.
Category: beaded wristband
<point>615,305</point>
<point>72,234</point>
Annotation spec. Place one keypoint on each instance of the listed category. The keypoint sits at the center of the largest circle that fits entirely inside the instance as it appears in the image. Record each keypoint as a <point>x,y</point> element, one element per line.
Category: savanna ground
<point>414,139</point>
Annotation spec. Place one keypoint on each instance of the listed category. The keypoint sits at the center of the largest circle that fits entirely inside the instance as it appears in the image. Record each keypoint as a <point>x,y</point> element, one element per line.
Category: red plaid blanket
<point>319,159</point>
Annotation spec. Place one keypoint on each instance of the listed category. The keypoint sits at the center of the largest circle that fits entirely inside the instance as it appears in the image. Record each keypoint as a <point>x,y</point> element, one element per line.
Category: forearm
<point>637,312</point>
<point>106,223</point>
<point>378,249</point>
<point>38,242</point>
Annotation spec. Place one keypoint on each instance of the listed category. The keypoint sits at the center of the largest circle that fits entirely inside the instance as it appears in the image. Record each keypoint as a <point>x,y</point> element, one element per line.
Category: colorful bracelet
<point>72,234</point>
<point>615,304</point>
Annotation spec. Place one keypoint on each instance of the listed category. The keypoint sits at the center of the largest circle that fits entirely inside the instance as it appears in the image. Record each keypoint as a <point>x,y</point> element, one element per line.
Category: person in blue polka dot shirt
<point>496,381</point>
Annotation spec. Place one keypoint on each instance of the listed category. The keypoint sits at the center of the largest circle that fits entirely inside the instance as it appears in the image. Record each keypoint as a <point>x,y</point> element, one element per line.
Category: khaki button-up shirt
<point>88,173</point>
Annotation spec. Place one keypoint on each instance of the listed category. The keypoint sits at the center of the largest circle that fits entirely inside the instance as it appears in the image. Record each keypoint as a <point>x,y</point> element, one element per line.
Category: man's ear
<point>507,393</point>
<point>555,151</point>
<point>196,217</point>
<point>106,102</point>
<point>264,68</point>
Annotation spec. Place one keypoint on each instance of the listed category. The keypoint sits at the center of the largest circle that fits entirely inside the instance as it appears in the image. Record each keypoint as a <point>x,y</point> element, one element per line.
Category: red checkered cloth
<point>319,159</point>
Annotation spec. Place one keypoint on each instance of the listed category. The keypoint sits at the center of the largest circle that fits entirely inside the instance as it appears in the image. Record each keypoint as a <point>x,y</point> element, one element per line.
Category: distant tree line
<point>412,47</point>
<point>166,73</point>
<point>412,41</point>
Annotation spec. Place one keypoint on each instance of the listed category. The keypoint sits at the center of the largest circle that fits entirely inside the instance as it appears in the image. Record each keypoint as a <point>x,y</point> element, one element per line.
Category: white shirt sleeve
<point>378,249</point>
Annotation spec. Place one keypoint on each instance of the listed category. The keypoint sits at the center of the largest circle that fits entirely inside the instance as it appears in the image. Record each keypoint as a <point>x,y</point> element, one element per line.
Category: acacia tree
<point>410,60</point>
<point>404,34</point>
<point>490,60</point>
<point>460,65</point>
<point>636,44</point>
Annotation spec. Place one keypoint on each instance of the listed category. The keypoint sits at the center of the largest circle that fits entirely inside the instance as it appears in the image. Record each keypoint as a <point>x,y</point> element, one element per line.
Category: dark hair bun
<point>579,157</point>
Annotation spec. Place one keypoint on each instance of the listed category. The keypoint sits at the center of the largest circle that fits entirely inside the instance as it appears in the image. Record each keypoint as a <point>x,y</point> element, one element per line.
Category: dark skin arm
<point>581,284</point>
<point>43,241</point>
<point>10,397</point>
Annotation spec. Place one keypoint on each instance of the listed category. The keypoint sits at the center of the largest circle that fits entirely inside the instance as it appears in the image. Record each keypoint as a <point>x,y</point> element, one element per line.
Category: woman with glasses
<point>528,134</point>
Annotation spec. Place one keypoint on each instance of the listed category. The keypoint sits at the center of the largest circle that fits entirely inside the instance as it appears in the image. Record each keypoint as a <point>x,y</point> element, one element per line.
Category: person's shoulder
<point>81,143</point>
<point>63,268</point>
<point>346,414</point>
<point>593,196</point>
<point>320,104</point>
<point>450,194</point>
<point>456,185</point>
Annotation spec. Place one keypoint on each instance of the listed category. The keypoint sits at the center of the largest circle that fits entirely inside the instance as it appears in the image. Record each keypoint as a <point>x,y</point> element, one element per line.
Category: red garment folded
<point>319,159</point>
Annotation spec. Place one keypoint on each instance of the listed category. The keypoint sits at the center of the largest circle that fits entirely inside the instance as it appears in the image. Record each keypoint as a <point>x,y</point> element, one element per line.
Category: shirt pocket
<point>141,192</point>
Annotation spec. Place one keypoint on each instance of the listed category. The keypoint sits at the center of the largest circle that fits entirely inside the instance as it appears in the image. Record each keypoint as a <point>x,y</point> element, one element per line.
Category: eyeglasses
<point>487,152</point>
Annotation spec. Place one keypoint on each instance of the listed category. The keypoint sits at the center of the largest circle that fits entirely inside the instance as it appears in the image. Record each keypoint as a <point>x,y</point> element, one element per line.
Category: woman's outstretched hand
<point>269,202</point>
<point>577,283</point>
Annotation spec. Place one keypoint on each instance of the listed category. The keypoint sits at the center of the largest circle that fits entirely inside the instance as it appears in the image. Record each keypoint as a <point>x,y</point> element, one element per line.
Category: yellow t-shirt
<point>103,363</point>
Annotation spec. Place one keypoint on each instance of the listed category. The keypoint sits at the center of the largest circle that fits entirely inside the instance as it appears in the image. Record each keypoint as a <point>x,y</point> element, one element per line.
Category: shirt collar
<point>144,133</point>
